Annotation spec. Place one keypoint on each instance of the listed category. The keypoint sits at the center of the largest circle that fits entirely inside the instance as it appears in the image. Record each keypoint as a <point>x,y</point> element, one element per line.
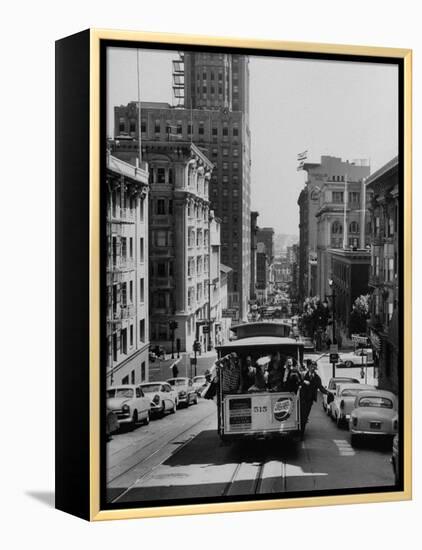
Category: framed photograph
<point>233,274</point>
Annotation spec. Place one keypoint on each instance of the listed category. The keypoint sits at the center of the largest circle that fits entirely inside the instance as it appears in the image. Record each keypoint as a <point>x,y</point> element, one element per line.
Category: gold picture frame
<point>91,507</point>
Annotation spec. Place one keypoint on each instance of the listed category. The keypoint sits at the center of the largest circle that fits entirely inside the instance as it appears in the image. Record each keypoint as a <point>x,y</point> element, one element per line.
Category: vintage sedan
<point>185,391</point>
<point>357,358</point>
<point>163,397</point>
<point>129,404</point>
<point>332,387</point>
<point>344,401</point>
<point>374,415</point>
<point>199,383</point>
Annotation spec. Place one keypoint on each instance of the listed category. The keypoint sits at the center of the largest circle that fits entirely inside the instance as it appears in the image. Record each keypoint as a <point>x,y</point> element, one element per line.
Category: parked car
<point>129,404</point>
<point>395,459</point>
<point>332,386</point>
<point>112,423</point>
<point>357,358</point>
<point>344,401</point>
<point>374,414</point>
<point>199,383</point>
<point>163,397</point>
<point>185,391</point>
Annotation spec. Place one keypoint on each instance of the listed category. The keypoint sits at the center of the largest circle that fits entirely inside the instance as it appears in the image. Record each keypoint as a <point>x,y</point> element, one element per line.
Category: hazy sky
<point>349,110</point>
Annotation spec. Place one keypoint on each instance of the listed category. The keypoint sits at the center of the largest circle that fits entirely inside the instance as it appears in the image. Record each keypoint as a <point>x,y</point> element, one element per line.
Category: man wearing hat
<point>309,393</point>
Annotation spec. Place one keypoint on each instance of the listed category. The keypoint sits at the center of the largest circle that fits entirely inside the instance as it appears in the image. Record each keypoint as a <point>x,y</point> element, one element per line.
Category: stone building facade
<point>385,272</point>
<point>213,112</point>
<point>127,272</point>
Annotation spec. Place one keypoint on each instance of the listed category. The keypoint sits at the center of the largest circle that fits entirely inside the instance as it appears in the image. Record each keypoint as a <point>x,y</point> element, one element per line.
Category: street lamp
<point>333,299</point>
<point>173,326</point>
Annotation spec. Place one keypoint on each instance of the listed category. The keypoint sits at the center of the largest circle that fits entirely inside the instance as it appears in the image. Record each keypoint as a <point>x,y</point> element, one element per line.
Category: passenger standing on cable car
<point>292,379</point>
<point>275,373</point>
<point>309,393</point>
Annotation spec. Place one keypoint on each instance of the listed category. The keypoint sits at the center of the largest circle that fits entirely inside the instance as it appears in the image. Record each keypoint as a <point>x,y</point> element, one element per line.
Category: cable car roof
<point>260,341</point>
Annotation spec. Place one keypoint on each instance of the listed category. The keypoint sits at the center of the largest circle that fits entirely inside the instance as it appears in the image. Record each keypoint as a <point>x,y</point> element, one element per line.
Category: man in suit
<point>309,393</point>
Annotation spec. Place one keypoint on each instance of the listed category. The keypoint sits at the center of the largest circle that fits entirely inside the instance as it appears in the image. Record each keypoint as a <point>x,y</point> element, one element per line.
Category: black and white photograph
<point>252,270</point>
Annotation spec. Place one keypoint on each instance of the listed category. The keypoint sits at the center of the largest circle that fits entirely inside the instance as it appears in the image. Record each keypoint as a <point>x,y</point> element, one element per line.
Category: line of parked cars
<point>130,404</point>
<point>364,409</point>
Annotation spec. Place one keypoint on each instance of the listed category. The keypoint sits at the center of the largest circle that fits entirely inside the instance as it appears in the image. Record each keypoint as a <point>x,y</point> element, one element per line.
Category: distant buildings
<point>349,272</point>
<point>261,286</point>
<point>384,276</point>
<point>254,232</point>
<point>127,272</point>
<point>331,211</point>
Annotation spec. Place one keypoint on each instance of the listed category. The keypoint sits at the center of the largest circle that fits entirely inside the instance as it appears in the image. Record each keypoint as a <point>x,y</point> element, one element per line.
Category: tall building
<point>261,274</point>
<point>179,253</point>
<point>333,188</point>
<point>265,235</point>
<point>384,276</point>
<point>254,233</point>
<point>214,91</point>
<point>127,272</point>
<point>349,272</point>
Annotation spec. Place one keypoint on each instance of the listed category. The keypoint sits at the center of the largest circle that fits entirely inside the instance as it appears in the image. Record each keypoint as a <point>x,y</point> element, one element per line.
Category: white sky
<point>349,110</point>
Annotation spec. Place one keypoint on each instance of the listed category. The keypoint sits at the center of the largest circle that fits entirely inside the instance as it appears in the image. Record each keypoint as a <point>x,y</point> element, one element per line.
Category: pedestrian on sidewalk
<point>175,370</point>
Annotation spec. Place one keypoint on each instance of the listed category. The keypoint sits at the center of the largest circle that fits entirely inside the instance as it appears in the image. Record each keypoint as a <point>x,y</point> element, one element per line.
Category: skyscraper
<point>212,92</point>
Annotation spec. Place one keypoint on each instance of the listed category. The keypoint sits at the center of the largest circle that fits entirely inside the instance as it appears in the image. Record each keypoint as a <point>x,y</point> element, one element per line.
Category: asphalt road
<point>181,457</point>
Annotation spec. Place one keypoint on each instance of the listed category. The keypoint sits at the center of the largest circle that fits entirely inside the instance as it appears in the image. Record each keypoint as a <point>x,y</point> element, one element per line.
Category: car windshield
<point>151,388</point>
<point>199,379</point>
<point>350,392</point>
<point>120,392</point>
<point>380,402</point>
<point>178,382</point>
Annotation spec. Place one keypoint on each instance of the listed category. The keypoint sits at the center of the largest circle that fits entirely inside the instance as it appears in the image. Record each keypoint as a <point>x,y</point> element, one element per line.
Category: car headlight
<point>182,393</point>
<point>125,408</point>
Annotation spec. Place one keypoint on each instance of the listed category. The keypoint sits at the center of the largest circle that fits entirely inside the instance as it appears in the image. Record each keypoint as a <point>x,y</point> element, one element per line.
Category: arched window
<point>354,227</point>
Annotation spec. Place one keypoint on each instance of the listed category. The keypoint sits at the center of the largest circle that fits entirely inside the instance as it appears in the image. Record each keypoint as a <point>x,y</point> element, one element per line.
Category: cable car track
<point>172,441</point>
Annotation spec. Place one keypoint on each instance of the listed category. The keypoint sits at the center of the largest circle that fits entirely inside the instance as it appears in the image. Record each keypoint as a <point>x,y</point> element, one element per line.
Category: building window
<point>131,291</point>
<point>142,330</point>
<point>354,227</point>
<point>115,347</point>
<point>157,127</point>
<point>141,249</point>
<point>125,380</point>
<point>131,336</point>
<point>160,207</point>
<point>235,152</point>
<point>201,128</point>
<point>214,131</point>
<point>225,131</point>
<point>143,126</point>
<point>235,131</point>
<point>161,175</point>
<point>143,371</point>
<point>161,238</point>
<point>142,290</point>
<point>141,210</point>
<point>123,341</point>
<point>354,198</point>
<point>338,197</point>
<point>336,234</point>
<point>161,269</point>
